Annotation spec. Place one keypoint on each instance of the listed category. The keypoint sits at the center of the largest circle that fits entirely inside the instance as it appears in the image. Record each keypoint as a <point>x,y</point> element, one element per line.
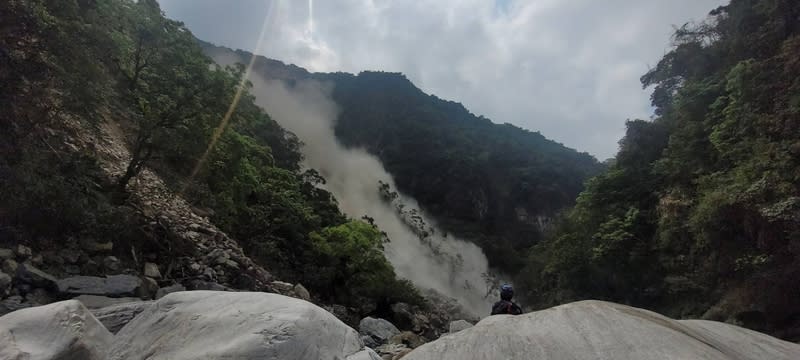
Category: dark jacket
<point>506,307</point>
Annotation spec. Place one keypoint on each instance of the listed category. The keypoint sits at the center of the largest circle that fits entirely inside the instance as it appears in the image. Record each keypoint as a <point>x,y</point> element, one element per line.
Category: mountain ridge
<point>496,184</point>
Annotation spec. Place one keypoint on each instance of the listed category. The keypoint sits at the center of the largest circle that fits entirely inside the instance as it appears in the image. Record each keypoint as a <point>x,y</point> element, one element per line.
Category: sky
<point>567,68</point>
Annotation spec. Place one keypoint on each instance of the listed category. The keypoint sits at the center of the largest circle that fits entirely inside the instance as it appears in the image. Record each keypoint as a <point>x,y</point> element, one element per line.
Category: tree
<point>353,252</point>
<point>168,82</point>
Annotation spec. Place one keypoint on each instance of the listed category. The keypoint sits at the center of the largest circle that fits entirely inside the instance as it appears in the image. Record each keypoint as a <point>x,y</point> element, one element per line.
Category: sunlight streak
<point>239,90</point>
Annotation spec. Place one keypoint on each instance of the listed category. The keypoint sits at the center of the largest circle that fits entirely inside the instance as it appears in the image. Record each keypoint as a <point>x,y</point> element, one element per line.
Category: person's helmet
<point>506,292</point>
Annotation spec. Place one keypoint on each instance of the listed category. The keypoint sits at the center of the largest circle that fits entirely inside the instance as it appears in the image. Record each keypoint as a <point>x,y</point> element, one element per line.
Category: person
<point>505,305</point>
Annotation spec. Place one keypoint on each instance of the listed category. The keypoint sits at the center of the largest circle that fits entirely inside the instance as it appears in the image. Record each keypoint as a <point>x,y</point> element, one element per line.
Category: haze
<point>569,69</point>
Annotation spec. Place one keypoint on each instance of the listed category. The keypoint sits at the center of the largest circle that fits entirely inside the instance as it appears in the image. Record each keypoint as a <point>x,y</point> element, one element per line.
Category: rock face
<point>114,317</point>
<point>601,330</point>
<point>235,325</point>
<point>60,331</point>
<point>379,330</point>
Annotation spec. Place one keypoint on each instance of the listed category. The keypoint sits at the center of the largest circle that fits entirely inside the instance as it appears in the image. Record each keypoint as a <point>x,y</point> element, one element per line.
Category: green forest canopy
<point>699,215</point>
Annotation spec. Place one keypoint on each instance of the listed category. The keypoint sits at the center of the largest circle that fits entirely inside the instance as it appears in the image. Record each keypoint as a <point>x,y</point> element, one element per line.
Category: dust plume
<point>436,261</point>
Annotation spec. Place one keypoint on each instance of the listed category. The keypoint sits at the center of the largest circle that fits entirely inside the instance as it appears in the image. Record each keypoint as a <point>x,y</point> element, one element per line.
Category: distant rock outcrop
<point>602,330</point>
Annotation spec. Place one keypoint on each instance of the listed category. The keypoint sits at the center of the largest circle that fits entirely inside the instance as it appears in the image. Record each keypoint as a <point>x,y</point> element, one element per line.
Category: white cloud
<point>568,68</point>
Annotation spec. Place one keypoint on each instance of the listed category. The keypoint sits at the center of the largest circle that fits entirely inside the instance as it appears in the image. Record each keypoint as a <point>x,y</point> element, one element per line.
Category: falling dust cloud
<point>451,266</point>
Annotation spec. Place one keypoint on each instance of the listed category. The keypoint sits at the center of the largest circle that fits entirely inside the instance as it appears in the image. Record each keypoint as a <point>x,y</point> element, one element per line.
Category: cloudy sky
<point>567,68</point>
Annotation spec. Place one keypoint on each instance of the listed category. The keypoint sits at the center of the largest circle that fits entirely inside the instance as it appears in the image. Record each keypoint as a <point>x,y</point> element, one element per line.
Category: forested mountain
<point>699,215</point>
<point>496,184</point>
<point>70,70</point>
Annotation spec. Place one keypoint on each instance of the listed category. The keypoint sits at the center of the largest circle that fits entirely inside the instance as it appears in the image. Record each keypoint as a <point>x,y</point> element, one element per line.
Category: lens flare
<point>239,90</point>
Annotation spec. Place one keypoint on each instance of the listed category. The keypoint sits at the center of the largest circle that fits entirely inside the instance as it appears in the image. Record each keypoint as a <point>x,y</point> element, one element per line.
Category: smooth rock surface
<point>379,329</point>
<point>112,286</point>
<point>234,325</point>
<point>60,331</point>
<point>366,354</point>
<point>602,330</point>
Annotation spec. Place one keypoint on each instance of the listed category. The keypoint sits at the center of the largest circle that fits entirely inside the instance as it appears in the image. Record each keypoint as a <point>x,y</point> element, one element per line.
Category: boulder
<point>369,342</point>
<point>234,325</point>
<point>51,257</point>
<point>168,290</point>
<point>112,286</point>
<point>282,287</point>
<point>379,329</point>
<point>115,317</point>
<point>29,274</point>
<point>97,302</point>
<point>602,330</point>
<point>38,296</point>
<point>301,292</point>
<point>459,325</point>
<point>10,266</point>
<point>23,252</point>
<point>5,282</point>
<point>37,260</point>
<point>64,330</point>
<point>111,263</point>
<point>71,256</point>
<point>151,270</point>
<point>13,303</point>
<point>97,247</point>
<point>366,354</point>
<point>149,287</point>
<point>408,339</point>
<point>207,285</point>
<point>393,351</point>
<point>72,269</point>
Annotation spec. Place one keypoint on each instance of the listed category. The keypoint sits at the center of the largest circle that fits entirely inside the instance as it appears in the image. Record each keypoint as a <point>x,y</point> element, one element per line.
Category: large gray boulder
<point>234,325</point>
<point>111,286</point>
<point>379,330</point>
<point>60,331</point>
<point>602,330</point>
